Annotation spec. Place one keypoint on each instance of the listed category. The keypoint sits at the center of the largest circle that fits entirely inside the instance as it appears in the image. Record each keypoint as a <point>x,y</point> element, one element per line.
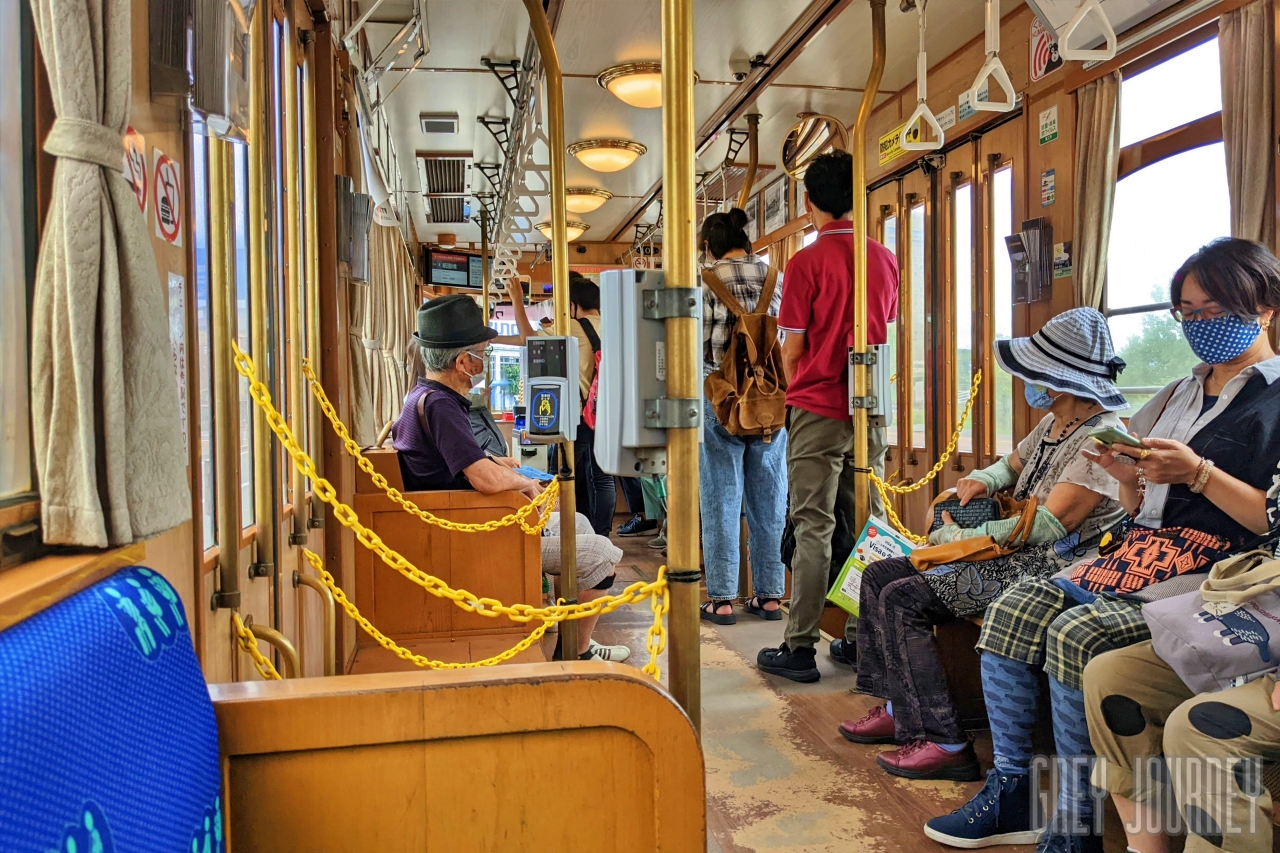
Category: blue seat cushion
<point>107,735</point>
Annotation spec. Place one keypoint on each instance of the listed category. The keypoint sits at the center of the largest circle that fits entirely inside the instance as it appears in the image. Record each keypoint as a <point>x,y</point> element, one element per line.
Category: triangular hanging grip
<point>1100,54</point>
<point>993,69</point>
<point>927,119</point>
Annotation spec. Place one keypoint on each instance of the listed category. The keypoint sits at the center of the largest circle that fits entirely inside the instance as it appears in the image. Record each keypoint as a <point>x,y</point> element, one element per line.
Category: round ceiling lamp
<point>638,84</point>
<point>585,199</point>
<point>574,229</point>
<point>606,155</point>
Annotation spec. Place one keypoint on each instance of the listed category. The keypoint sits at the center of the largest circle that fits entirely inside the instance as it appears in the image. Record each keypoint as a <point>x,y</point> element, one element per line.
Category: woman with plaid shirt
<point>1223,420</point>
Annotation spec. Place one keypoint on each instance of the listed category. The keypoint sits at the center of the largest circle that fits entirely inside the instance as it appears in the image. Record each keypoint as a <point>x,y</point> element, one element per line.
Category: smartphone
<point>1114,435</point>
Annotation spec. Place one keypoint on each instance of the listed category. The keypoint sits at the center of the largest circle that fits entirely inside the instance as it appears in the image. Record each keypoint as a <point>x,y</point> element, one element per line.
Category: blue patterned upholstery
<point>107,735</point>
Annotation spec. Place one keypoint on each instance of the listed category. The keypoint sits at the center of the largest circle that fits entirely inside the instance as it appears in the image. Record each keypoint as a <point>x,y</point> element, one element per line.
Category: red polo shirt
<point>815,300</point>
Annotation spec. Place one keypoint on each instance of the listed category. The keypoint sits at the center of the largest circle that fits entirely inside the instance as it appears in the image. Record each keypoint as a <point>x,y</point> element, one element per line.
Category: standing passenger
<point>819,331</point>
<point>735,468</point>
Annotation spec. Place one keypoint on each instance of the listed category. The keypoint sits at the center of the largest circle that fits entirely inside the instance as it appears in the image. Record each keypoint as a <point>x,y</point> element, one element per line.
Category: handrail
<point>923,114</point>
<point>310,165</point>
<point>1069,53</point>
<point>858,306</point>
<point>330,623</point>
<point>281,643</point>
<point>226,403</point>
<point>993,68</point>
<point>296,392</point>
<point>753,159</point>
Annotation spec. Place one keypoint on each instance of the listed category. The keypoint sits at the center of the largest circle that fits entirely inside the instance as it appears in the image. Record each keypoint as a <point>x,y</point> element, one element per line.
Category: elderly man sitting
<point>438,451</point>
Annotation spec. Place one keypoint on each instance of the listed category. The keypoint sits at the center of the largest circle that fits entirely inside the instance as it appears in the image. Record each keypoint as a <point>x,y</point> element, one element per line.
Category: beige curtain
<point>1097,163</point>
<point>382,320</point>
<point>109,447</point>
<point>1248,78</point>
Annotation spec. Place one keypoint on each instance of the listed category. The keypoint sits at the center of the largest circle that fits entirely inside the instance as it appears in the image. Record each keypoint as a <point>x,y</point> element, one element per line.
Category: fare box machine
<point>552,404</point>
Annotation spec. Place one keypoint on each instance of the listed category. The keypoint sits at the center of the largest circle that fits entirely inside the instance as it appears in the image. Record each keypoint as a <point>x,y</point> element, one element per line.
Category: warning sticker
<point>1049,125</point>
<point>1044,51</point>
<point>891,144</point>
<point>947,118</point>
<point>135,165</point>
<point>167,180</point>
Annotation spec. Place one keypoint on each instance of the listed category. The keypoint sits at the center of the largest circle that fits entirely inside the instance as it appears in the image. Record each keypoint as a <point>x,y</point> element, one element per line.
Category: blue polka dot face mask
<point>1038,397</point>
<point>1221,339</point>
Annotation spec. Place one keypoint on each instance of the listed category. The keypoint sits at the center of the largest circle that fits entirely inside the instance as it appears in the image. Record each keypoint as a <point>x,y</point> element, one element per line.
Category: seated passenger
<point>1068,368</point>
<point>438,450</point>
<point>1212,442</point>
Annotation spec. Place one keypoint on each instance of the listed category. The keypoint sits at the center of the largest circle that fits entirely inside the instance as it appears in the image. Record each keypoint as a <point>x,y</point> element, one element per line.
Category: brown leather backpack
<point>748,392</point>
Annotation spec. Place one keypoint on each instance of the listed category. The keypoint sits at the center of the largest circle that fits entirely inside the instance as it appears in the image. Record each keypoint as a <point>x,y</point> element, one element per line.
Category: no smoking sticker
<point>167,180</point>
<point>135,165</point>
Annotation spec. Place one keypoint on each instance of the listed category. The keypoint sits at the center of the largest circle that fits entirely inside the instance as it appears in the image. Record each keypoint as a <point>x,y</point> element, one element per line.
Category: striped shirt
<point>744,278</point>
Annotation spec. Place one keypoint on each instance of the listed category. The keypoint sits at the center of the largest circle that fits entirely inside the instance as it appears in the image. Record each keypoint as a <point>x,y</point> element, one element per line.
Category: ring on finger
<point>1144,454</point>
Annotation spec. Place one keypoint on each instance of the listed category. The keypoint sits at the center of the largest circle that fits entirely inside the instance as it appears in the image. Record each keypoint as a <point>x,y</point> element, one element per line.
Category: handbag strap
<point>1022,530</point>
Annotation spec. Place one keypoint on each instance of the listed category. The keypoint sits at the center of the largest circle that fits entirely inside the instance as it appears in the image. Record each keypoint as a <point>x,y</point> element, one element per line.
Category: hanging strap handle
<point>1101,54</point>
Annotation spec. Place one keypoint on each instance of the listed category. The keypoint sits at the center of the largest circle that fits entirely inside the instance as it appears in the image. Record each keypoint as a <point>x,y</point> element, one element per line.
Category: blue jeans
<point>734,470</point>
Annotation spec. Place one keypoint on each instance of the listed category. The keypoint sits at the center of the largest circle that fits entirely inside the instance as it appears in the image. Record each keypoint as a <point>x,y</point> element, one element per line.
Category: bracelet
<point>1203,473</point>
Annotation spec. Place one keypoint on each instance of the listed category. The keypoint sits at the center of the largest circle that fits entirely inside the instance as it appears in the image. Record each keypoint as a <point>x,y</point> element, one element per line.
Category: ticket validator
<point>552,404</point>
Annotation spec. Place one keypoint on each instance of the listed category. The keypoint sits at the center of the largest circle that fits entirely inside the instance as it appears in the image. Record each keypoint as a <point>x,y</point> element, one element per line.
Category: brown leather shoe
<point>922,759</point>
<point>875,727</point>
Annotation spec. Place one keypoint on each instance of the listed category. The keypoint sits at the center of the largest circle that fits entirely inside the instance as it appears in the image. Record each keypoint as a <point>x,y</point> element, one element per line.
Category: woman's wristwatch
<point>1203,472</point>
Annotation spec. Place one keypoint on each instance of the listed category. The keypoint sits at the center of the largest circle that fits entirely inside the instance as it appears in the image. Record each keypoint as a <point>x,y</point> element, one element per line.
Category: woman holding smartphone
<point>1209,449</point>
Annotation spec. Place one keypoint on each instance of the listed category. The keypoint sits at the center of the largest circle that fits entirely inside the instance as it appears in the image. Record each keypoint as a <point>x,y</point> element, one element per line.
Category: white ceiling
<point>594,34</point>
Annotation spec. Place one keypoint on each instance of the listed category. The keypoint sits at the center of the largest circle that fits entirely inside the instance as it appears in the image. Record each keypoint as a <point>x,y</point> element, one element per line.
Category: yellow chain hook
<point>249,644</point>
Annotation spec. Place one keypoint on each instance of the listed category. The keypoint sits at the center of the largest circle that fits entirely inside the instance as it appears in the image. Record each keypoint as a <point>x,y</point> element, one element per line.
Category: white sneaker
<point>614,654</point>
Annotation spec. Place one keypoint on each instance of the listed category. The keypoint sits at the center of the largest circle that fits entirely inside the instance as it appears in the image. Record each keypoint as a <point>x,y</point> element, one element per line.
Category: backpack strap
<point>712,281</point>
<point>590,332</point>
<point>766,295</point>
<point>422,413</point>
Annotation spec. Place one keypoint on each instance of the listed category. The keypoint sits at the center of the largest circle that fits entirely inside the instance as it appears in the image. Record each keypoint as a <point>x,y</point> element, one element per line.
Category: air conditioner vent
<point>439,122</point>
<point>446,186</point>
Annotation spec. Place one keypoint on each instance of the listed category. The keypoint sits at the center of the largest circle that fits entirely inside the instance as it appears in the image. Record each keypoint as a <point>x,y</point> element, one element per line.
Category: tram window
<point>810,238</point>
<point>1177,91</point>
<point>240,225</point>
<point>504,381</point>
<point>962,276</point>
<point>764,256</point>
<point>200,240</point>
<point>915,277</point>
<point>15,436</point>
<point>1002,295</point>
<point>889,237</point>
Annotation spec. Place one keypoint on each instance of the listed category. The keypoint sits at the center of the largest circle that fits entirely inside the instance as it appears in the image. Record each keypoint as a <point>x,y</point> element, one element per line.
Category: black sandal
<point>755,606</point>
<point>708,613</point>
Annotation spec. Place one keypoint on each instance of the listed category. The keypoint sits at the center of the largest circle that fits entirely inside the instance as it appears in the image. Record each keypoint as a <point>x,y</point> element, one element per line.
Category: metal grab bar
<point>1108,32</point>
<point>753,159</point>
<point>278,641</point>
<point>923,114</point>
<point>330,623</point>
<point>993,68</point>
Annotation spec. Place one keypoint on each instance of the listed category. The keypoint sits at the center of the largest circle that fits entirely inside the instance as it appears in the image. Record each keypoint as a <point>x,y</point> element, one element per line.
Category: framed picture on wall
<point>800,194</point>
<point>753,217</point>
<point>775,205</point>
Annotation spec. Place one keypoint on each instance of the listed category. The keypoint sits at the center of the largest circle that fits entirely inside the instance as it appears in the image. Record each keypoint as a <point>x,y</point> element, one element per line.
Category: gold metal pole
<point>265,501</point>
<point>293,276</point>
<point>226,402</point>
<point>328,615</point>
<point>484,286</point>
<point>560,290</point>
<point>753,155</point>
<point>683,353</point>
<point>858,144</point>
<point>288,653</point>
<point>316,419</point>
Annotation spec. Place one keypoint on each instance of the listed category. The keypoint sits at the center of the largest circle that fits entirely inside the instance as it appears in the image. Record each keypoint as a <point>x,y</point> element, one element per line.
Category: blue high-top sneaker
<point>1001,813</point>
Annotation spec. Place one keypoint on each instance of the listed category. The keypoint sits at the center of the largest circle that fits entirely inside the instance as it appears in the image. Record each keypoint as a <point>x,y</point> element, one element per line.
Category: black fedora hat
<point>448,322</point>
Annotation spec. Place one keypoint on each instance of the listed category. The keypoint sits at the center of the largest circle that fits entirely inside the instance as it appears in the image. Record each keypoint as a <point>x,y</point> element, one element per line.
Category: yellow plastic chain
<point>541,505</point>
<point>656,590</point>
<point>249,645</point>
<point>887,489</point>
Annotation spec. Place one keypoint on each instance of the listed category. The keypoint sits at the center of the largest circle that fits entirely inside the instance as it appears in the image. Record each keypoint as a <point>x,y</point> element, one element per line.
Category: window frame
<point>959,179</point>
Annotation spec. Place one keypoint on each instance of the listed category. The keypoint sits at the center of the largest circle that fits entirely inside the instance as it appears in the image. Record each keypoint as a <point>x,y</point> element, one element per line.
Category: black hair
<point>829,183</point>
<point>1240,275</point>
<point>724,232</point>
<point>584,292</point>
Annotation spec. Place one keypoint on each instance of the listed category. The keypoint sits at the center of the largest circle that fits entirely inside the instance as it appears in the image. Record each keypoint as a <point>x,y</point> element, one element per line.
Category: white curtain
<point>109,447</point>
<point>1247,54</point>
<point>1097,164</point>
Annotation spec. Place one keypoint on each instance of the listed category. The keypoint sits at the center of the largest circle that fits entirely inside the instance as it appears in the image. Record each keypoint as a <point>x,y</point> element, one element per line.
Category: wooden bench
<point>505,564</point>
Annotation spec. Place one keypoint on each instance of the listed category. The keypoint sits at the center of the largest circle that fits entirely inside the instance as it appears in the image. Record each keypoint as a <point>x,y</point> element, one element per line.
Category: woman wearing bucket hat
<point>1210,444</point>
<point>1069,368</point>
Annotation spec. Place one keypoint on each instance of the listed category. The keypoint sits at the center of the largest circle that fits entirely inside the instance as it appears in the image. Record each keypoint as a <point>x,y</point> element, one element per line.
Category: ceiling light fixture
<point>636,83</point>
<point>606,155</point>
<point>585,199</point>
<point>574,228</point>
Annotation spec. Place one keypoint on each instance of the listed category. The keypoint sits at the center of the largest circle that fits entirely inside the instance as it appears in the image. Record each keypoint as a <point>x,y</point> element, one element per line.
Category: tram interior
<point>308,173</point>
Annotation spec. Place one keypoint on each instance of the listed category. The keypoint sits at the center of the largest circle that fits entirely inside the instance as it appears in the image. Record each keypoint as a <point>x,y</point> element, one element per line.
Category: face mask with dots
<point>1221,339</point>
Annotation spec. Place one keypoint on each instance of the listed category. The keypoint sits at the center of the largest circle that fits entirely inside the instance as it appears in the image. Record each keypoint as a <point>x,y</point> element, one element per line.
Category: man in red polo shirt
<point>815,354</point>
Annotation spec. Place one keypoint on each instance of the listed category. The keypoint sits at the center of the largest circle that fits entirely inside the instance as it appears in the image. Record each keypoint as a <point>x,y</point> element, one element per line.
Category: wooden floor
<point>780,778</point>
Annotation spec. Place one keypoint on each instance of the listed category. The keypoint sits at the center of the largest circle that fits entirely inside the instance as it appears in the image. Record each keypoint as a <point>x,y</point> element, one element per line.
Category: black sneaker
<point>637,526</point>
<point>798,664</point>
<point>845,652</point>
<point>1001,813</point>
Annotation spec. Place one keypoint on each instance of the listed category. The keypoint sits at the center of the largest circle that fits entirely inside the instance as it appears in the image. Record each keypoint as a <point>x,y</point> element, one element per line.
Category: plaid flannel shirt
<point>744,278</point>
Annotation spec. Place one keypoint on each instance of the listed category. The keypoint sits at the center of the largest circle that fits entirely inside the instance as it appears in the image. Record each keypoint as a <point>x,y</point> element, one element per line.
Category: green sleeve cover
<point>1046,529</point>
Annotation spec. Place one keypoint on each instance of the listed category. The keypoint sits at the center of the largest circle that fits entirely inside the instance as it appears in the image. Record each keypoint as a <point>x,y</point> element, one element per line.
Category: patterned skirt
<point>967,588</point>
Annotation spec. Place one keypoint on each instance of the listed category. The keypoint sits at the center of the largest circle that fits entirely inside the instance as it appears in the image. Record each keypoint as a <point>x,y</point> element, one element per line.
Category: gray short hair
<point>439,360</point>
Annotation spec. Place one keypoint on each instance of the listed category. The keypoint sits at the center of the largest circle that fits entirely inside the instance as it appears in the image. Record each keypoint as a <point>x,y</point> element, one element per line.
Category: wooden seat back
<point>504,564</point>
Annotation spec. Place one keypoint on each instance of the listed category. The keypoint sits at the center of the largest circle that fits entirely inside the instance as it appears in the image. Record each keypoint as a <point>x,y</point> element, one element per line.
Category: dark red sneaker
<point>922,759</point>
<point>875,727</point>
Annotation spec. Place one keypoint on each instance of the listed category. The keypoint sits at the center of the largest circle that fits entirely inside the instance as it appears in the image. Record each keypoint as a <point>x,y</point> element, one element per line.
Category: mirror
<point>812,135</point>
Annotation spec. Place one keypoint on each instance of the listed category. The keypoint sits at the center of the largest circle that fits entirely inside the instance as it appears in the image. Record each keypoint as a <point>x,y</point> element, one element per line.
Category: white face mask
<point>477,379</point>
